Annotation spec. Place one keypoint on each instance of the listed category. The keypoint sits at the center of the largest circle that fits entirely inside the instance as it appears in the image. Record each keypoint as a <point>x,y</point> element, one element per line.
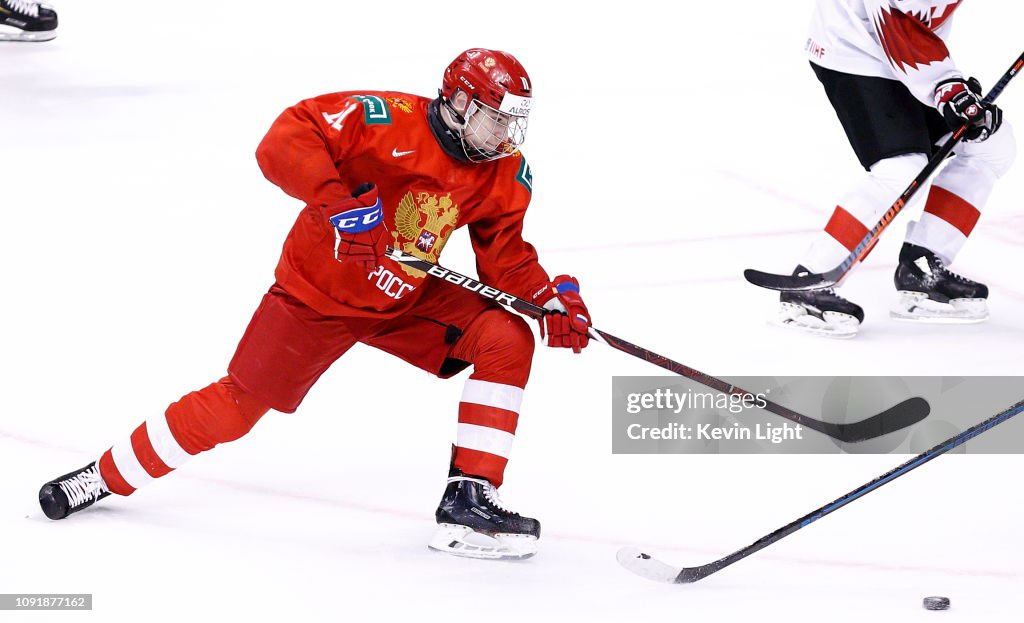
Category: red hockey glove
<point>568,322</point>
<point>359,232</point>
<point>959,101</point>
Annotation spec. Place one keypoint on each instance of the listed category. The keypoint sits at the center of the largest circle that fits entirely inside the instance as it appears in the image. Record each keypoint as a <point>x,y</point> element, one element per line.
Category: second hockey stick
<point>902,415</point>
<point>653,569</point>
<point>815,281</point>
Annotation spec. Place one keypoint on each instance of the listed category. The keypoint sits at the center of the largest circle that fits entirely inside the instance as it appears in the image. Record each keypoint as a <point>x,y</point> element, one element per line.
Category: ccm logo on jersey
<point>358,219</point>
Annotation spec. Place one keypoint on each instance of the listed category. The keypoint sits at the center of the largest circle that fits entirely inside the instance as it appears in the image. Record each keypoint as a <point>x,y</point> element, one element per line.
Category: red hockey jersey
<point>322,148</point>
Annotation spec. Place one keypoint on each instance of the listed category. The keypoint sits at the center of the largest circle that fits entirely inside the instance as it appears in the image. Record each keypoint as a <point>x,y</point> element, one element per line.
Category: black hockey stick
<point>642,564</point>
<point>814,281</point>
<point>902,415</point>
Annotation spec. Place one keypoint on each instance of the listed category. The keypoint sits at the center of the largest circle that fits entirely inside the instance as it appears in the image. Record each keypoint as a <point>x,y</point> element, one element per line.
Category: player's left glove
<point>359,232</point>
<point>959,101</point>
<point>568,321</point>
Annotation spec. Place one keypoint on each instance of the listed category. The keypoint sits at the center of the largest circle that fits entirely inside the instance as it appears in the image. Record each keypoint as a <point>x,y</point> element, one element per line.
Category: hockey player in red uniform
<point>896,90</point>
<point>379,168</point>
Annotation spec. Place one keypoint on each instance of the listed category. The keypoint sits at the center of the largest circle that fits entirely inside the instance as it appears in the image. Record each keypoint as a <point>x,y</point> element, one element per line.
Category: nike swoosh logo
<point>399,154</point>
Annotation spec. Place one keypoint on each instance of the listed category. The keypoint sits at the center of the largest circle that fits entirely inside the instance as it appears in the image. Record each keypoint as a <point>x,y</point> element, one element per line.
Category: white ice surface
<point>669,152</point>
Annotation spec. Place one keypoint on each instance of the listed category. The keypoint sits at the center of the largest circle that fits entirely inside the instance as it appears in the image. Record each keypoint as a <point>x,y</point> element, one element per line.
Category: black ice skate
<point>72,492</point>
<point>930,292</point>
<point>473,522</point>
<point>821,312</point>
<point>23,20</point>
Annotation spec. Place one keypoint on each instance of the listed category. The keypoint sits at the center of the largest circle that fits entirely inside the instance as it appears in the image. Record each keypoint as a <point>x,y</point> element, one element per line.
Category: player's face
<point>490,134</point>
<point>486,128</point>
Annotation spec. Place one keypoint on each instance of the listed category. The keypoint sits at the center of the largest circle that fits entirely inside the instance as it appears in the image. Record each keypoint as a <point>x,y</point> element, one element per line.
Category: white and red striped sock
<point>488,414</point>
<point>218,413</point>
<point>860,209</point>
<point>149,453</point>
<point>959,194</point>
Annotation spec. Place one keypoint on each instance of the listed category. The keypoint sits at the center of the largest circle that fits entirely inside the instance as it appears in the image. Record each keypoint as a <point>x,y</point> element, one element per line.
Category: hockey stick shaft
<point>902,415</point>
<point>692,574</point>
<point>859,252</point>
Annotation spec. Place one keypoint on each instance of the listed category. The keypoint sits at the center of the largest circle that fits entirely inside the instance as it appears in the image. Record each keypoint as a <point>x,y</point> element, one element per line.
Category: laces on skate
<point>84,487</point>
<point>490,492</point>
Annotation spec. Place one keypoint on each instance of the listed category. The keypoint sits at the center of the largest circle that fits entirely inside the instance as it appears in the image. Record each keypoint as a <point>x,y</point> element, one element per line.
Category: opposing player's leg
<point>927,289</point>
<point>889,132</point>
<point>284,350</point>
<point>449,330</point>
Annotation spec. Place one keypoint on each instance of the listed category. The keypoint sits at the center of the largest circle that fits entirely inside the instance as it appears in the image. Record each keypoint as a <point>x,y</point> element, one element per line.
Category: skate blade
<point>917,307</point>
<point>835,325</point>
<point>463,541</point>
<point>15,34</point>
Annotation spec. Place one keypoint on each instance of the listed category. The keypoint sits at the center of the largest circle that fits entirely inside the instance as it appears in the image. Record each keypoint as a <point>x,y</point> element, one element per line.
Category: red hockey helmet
<point>486,76</point>
<point>490,94</point>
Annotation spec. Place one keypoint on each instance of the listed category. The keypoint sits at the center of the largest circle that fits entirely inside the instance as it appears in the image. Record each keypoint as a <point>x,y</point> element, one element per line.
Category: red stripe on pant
<point>845,228</point>
<point>953,209</point>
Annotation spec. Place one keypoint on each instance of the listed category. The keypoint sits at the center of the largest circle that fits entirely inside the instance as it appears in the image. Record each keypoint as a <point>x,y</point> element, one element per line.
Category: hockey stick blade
<point>827,279</point>
<point>902,415</point>
<point>907,413</point>
<point>793,283</point>
<point>645,565</point>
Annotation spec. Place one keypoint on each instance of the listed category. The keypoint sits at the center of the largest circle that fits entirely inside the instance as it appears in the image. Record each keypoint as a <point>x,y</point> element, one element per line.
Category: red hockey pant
<point>288,345</point>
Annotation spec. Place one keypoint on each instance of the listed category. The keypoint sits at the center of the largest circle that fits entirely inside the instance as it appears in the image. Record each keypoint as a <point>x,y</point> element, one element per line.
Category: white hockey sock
<point>860,209</point>
<point>960,192</point>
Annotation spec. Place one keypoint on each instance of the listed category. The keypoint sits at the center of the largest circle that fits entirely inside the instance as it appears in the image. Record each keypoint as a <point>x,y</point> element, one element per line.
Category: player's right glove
<point>959,101</point>
<point>359,232</point>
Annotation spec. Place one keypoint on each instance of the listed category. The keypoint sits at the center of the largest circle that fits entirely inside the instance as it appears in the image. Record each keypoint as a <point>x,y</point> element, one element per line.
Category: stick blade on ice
<point>634,559</point>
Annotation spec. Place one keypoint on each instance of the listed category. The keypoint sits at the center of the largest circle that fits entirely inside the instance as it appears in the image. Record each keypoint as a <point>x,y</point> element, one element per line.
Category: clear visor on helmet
<point>492,133</point>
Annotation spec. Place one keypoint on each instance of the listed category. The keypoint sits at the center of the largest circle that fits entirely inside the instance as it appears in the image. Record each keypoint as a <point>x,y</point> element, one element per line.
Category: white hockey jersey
<point>897,39</point>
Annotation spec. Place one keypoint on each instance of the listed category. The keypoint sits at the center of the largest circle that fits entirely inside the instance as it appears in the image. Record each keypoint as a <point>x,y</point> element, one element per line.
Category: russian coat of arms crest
<point>423,223</point>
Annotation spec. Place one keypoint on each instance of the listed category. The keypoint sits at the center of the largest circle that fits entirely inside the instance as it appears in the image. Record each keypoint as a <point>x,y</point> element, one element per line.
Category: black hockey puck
<point>936,603</point>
